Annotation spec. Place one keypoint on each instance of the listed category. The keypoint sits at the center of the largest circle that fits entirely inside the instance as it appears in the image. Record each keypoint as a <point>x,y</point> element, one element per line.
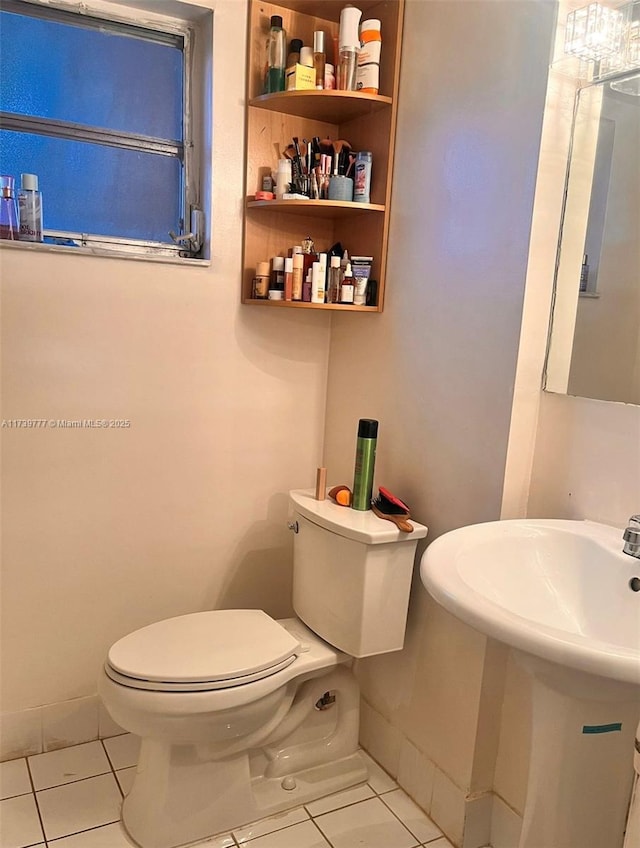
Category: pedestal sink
<point>566,599</point>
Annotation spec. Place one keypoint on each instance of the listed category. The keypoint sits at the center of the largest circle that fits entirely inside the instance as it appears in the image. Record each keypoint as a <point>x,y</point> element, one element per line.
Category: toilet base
<point>220,796</point>
<point>185,792</point>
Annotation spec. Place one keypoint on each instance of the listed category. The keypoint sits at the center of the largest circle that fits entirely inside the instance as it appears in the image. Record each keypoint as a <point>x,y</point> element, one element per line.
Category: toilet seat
<point>202,651</point>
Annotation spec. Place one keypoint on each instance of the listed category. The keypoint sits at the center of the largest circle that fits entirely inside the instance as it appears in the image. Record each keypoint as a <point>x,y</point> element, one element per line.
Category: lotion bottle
<point>288,278</point>
<point>298,271</point>
<point>317,283</point>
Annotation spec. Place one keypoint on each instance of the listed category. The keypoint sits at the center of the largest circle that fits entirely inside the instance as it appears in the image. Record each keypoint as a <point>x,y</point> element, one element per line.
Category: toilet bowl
<point>242,716</point>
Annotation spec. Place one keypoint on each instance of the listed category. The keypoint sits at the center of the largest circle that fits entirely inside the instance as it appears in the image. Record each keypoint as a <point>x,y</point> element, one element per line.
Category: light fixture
<point>594,32</point>
<point>607,41</point>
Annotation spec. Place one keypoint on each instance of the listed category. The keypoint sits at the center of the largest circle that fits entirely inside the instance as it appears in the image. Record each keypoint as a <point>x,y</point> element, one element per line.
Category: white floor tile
<point>14,778</point>
<point>443,842</point>
<point>304,835</point>
<point>19,822</point>
<point>215,842</point>
<point>269,825</point>
<point>368,823</point>
<point>125,778</point>
<point>379,780</point>
<point>339,799</point>
<point>67,765</point>
<point>123,751</point>
<point>79,806</point>
<point>109,836</point>
<point>412,816</point>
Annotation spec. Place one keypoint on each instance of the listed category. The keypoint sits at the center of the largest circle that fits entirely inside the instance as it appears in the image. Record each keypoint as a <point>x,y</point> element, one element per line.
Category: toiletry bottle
<point>368,75</point>
<point>335,280</point>
<point>347,289</point>
<point>322,259</point>
<point>30,208</point>
<point>310,255</point>
<point>319,57</point>
<point>298,271</point>
<point>276,56</point>
<point>317,283</point>
<point>283,178</point>
<point>277,274</point>
<point>306,287</point>
<point>294,52</point>
<point>261,281</point>
<point>9,226</point>
<point>584,273</point>
<point>365,463</point>
<point>288,278</point>
<point>329,77</point>
<point>349,47</point>
<point>362,181</point>
<point>306,57</point>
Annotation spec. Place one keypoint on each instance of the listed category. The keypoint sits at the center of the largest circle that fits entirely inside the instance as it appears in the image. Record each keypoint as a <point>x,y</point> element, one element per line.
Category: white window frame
<point>191,243</point>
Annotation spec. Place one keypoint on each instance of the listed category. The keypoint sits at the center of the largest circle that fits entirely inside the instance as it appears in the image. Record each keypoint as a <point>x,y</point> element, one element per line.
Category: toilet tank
<point>351,575</point>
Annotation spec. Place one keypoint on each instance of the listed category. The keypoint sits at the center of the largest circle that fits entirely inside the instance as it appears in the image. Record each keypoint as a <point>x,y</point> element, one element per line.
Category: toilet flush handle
<point>293,525</point>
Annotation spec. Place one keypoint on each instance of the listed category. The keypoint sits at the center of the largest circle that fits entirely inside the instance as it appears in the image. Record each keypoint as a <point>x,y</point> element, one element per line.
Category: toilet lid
<point>205,647</point>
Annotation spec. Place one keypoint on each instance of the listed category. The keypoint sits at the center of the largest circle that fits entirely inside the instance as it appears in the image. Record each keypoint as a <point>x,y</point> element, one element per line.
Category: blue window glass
<point>71,73</point>
<point>88,188</point>
<point>77,78</point>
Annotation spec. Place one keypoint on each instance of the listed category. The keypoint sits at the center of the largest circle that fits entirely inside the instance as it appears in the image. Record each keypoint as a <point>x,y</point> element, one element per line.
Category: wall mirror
<point>594,345</point>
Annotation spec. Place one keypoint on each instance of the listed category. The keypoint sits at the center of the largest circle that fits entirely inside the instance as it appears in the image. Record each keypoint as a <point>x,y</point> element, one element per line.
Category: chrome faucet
<point>631,537</point>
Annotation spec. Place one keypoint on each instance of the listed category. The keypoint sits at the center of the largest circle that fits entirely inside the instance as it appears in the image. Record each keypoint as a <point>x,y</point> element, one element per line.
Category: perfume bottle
<point>9,227</point>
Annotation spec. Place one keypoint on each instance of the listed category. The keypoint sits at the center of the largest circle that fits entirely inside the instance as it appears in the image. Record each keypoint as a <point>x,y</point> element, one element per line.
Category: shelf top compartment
<point>330,9</point>
<point>334,107</point>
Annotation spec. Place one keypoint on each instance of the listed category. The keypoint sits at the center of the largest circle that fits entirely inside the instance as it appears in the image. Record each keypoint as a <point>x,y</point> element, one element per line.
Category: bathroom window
<point>99,110</point>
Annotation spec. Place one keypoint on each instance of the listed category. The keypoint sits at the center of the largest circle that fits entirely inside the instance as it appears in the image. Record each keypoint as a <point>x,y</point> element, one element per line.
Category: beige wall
<point>105,531</point>
<point>437,367</point>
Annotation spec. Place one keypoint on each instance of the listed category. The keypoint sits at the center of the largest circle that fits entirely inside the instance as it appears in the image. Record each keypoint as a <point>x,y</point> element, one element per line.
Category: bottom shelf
<point>298,304</point>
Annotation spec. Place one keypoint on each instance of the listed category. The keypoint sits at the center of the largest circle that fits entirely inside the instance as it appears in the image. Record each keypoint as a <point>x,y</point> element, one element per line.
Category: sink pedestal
<point>581,766</point>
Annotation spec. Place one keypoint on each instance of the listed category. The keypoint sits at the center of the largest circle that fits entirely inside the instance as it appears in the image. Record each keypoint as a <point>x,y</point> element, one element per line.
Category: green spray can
<point>365,463</point>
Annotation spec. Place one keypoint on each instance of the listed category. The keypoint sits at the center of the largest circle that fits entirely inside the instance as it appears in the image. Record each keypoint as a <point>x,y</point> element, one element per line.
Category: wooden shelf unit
<point>367,121</point>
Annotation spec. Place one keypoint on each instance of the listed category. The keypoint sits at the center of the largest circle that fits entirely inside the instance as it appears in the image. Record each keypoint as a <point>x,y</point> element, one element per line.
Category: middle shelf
<point>316,208</point>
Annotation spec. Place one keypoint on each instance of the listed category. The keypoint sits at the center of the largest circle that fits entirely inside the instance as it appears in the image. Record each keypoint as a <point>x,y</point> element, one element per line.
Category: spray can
<point>365,463</point>
<point>362,182</point>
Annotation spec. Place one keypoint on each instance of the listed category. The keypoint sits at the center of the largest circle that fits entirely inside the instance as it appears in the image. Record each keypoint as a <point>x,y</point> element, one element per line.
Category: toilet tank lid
<point>360,525</point>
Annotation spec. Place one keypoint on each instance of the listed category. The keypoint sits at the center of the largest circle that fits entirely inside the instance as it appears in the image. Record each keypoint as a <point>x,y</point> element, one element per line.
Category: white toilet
<point>242,716</point>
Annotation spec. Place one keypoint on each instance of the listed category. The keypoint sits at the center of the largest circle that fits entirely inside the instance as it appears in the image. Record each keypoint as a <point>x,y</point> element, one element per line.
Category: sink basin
<point>561,593</point>
<point>554,588</point>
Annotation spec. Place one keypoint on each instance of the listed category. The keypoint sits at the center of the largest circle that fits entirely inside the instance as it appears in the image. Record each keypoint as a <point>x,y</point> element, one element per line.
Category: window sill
<point>105,254</point>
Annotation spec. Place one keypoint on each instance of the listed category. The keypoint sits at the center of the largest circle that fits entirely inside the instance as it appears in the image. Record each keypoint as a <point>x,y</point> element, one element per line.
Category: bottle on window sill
<point>30,208</point>
<point>9,226</point>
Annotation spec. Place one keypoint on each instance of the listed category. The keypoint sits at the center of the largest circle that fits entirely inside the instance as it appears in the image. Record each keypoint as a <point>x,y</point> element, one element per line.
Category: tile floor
<point>71,798</point>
